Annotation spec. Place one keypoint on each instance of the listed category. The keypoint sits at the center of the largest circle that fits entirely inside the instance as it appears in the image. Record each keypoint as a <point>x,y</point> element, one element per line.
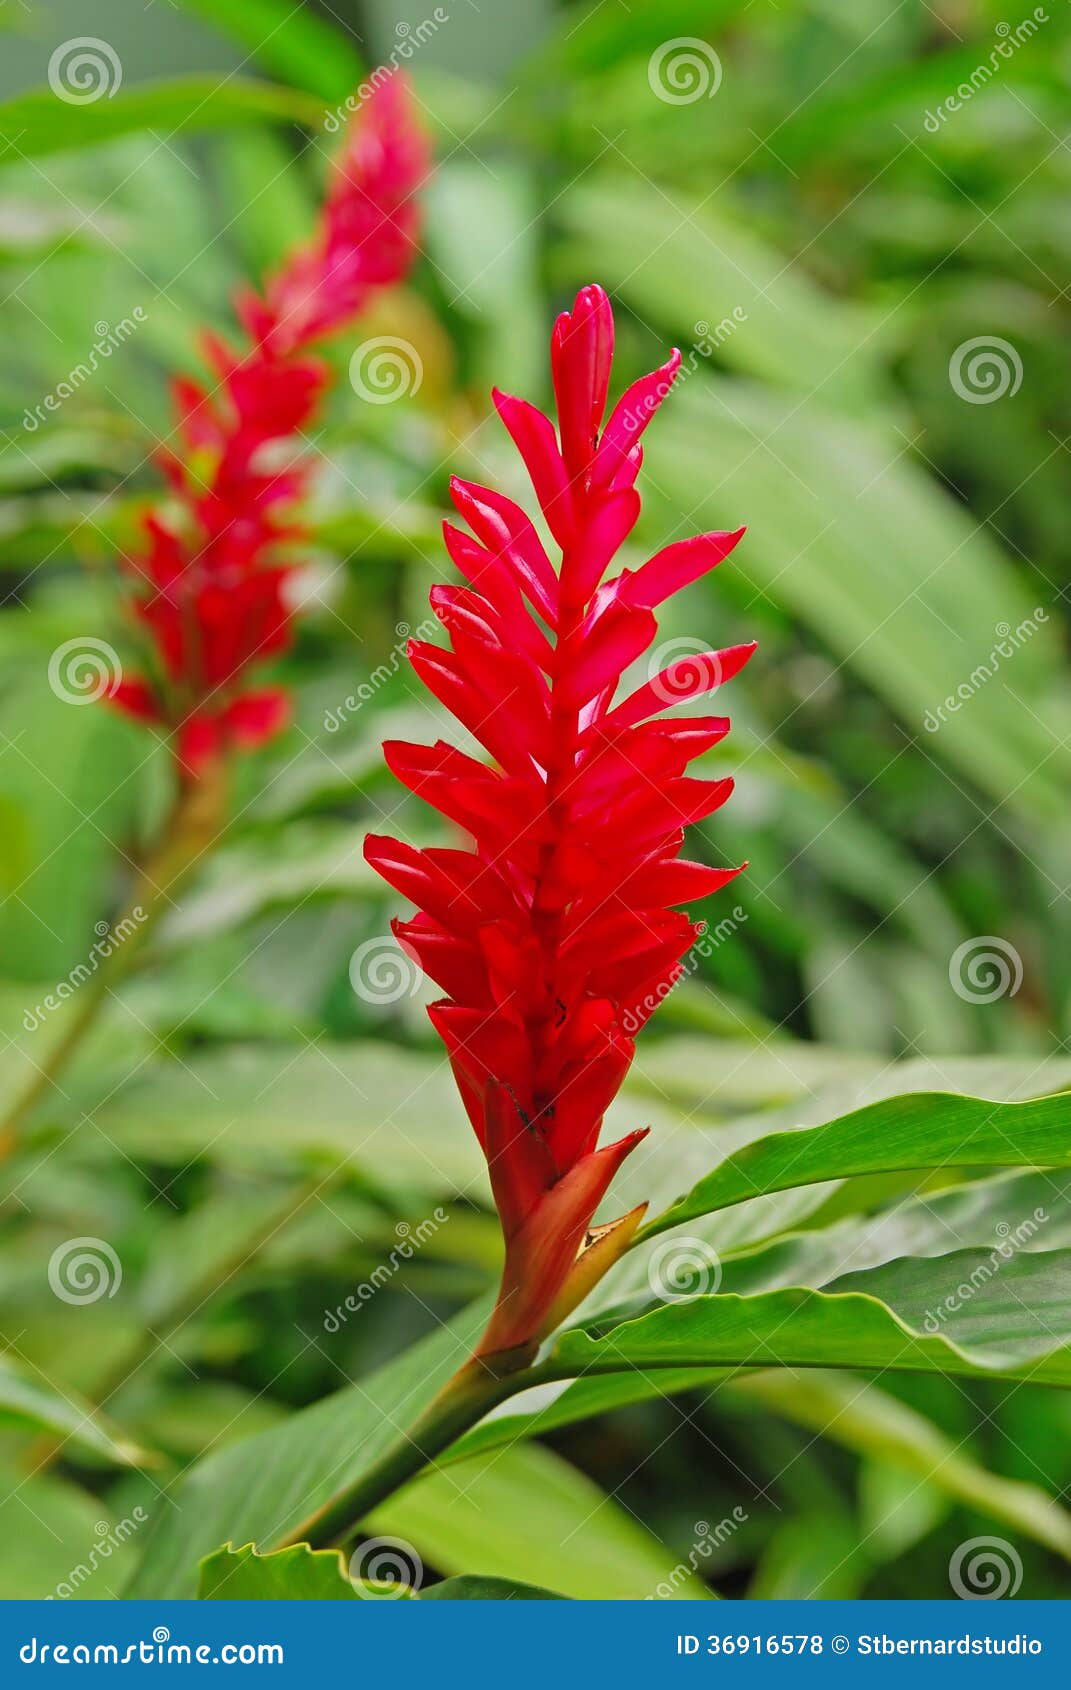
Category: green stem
<point>462,1402</point>
<point>194,824</point>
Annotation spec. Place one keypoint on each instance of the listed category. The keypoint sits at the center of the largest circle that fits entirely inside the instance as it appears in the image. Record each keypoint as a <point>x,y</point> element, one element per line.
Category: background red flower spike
<point>209,587</point>
<point>555,934</point>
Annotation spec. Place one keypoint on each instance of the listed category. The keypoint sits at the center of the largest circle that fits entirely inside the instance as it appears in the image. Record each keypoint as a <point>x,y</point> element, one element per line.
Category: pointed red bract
<point>556,935</point>
<point>210,587</point>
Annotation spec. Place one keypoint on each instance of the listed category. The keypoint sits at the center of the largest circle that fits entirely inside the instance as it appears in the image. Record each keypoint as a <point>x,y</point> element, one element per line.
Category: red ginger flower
<point>211,588</point>
<point>556,935</point>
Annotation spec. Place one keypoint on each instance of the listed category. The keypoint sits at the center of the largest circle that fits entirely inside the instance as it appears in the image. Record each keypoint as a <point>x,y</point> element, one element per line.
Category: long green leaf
<point>263,1490</point>
<point>31,1404</point>
<point>297,1574</point>
<point>527,1514</point>
<point>919,1130</point>
<point>58,1542</point>
<point>37,123</point>
<point>301,1574</point>
<point>292,42</point>
<point>871,1422</point>
<point>673,257</point>
<point>915,1315</point>
<point>820,492</point>
<point>1013,1212</point>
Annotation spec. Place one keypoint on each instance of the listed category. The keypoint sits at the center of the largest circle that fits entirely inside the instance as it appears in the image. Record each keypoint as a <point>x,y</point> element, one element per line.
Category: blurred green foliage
<point>247,1126</point>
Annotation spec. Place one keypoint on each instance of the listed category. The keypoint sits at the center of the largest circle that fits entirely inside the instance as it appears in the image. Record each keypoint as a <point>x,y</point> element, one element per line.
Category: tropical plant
<point>248,1233</point>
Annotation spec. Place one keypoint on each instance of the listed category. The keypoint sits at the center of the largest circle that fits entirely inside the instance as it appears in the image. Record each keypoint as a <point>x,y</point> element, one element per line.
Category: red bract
<point>211,584</point>
<point>556,934</point>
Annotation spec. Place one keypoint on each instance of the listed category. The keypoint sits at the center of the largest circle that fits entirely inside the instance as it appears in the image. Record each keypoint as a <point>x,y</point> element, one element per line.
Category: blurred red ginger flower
<point>557,934</point>
<point>211,587</point>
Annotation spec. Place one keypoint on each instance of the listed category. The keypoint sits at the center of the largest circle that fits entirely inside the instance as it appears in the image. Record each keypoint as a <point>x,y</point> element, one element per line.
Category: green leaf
<point>1020,1212</point>
<point>296,1574</point>
<point>71,779</point>
<point>57,1541</point>
<point>673,257</point>
<point>919,1130</point>
<point>268,205</point>
<point>310,860</point>
<point>873,1423</point>
<point>267,1489</point>
<point>474,1587</point>
<point>301,1574</point>
<point>816,488</point>
<point>815,1556</point>
<point>290,41</point>
<point>28,1403</point>
<point>37,123</point>
<point>512,1512</point>
<point>258,1106</point>
<point>1015,1322</point>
